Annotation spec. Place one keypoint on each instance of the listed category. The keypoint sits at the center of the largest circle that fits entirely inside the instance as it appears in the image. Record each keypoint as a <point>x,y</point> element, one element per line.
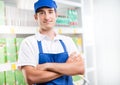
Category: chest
<point>51,46</point>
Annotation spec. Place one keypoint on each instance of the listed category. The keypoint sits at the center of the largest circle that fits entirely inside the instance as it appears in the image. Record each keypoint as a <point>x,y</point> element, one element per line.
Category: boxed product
<point>18,42</point>
<point>10,78</point>
<point>11,58</point>
<point>2,55</point>
<point>77,80</point>
<point>2,51</point>
<point>78,42</point>
<point>2,78</point>
<point>2,41</point>
<point>20,80</point>
<point>10,42</point>
<point>75,40</point>
<point>11,49</point>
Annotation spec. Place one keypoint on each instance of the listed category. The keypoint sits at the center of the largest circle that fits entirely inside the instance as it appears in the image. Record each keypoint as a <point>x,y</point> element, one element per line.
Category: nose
<point>46,16</point>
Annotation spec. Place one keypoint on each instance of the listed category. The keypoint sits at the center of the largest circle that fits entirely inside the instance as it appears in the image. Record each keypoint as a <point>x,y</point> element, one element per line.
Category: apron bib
<point>55,58</point>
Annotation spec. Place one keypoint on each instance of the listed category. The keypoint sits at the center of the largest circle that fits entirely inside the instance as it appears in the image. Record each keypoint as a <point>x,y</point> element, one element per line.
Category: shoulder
<point>29,40</point>
<point>65,38</point>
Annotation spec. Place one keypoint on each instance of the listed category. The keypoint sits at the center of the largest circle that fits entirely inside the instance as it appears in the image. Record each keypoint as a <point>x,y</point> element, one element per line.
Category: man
<point>47,58</point>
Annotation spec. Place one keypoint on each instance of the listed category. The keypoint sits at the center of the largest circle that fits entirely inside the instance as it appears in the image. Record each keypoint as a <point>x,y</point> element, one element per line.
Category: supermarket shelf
<point>71,3</point>
<point>66,30</point>
<point>8,66</point>
<point>33,30</point>
<point>17,30</point>
<point>22,4</point>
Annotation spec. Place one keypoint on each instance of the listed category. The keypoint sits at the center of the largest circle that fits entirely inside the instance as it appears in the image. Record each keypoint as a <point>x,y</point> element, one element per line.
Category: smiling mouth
<point>47,22</point>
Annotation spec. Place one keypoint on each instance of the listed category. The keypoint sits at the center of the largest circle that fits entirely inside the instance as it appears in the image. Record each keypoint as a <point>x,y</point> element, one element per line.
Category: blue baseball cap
<point>44,3</point>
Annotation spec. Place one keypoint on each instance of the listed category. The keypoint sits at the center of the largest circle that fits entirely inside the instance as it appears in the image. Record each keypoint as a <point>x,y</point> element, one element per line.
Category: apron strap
<point>63,45</point>
<point>40,46</point>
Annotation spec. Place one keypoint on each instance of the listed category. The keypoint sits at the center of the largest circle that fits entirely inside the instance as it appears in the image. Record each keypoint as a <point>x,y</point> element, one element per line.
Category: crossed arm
<point>50,71</point>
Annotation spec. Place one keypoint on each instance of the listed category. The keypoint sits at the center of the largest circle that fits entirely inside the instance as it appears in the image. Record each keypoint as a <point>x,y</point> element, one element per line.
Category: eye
<point>41,13</point>
<point>50,12</point>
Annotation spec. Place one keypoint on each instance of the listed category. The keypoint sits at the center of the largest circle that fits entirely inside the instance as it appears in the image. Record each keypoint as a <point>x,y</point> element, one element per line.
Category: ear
<point>35,16</point>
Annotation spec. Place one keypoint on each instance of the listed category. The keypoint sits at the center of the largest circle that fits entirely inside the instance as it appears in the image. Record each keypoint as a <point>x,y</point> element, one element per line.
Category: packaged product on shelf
<point>21,16</point>
<point>73,17</point>
<point>2,55</point>
<point>80,45</point>
<point>19,78</point>
<point>2,41</point>
<point>11,49</point>
<point>18,42</point>
<point>62,21</point>
<point>2,78</point>
<point>2,51</point>
<point>78,42</point>
<point>10,77</point>
<point>77,79</point>
<point>2,19</point>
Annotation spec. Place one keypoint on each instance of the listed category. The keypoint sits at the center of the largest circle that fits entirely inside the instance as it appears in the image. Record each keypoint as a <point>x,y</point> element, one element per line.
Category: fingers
<point>73,54</point>
<point>74,57</point>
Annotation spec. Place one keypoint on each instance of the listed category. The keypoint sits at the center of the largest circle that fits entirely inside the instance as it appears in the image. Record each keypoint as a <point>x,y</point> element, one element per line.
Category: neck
<point>49,33</point>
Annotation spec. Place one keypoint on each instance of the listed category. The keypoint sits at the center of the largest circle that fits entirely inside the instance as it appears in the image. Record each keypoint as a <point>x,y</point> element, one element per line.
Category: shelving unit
<point>33,30</point>
<point>24,31</point>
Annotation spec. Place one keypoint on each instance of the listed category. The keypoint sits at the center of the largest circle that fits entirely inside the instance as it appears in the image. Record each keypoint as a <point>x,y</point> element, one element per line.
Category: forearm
<point>67,68</point>
<point>36,76</point>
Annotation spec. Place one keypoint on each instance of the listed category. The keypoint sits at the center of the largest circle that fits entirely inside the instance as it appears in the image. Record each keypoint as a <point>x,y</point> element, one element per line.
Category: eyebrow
<point>41,10</point>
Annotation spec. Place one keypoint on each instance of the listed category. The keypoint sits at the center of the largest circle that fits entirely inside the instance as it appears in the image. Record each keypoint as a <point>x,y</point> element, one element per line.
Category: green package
<point>2,78</point>
<point>11,53</point>
<point>11,58</point>
<point>2,55</point>
<point>75,40</point>
<point>2,41</point>
<point>20,80</point>
<point>11,49</point>
<point>10,78</point>
<point>76,79</point>
<point>18,42</point>
<point>10,42</point>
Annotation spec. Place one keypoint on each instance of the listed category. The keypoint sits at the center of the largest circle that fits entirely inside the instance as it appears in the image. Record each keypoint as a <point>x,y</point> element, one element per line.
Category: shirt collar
<point>41,37</point>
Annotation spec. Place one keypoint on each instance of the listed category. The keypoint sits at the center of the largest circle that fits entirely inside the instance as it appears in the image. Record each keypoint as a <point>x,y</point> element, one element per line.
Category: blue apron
<point>55,58</point>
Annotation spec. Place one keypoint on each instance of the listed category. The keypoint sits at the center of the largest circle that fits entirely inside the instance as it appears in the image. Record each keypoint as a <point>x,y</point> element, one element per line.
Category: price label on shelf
<point>79,41</point>
<point>12,30</point>
<point>60,31</point>
<point>75,31</point>
<point>13,66</point>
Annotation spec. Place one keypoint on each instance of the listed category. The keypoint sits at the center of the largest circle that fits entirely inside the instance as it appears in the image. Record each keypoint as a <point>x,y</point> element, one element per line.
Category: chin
<point>47,28</point>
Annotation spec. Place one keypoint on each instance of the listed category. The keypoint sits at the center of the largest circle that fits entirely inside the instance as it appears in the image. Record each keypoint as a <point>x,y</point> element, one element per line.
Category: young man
<point>47,58</point>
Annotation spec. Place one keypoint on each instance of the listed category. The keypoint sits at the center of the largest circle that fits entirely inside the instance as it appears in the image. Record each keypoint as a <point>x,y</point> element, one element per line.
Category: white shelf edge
<point>67,30</point>
<point>71,3</point>
<point>8,66</point>
<point>33,30</point>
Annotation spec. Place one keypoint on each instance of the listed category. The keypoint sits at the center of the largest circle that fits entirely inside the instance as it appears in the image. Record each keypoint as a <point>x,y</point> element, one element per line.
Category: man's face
<point>46,18</point>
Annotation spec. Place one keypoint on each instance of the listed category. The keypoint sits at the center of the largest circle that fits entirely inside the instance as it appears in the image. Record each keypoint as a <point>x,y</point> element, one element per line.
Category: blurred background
<point>94,26</point>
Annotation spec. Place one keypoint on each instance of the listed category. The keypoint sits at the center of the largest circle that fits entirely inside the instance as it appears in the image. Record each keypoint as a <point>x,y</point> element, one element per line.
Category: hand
<point>42,67</point>
<point>71,57</point>
<point>74,57</point>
